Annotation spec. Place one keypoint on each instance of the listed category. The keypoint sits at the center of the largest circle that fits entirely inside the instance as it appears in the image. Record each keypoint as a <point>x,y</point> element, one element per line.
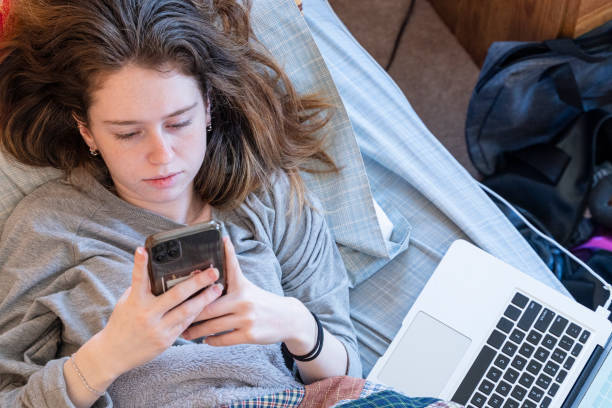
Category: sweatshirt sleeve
<point>312,269</point>
<point>34,299</point>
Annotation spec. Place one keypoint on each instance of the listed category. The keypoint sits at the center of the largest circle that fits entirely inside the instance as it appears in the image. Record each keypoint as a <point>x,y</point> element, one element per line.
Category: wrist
<point>302,336</point>
<point>97,362</point>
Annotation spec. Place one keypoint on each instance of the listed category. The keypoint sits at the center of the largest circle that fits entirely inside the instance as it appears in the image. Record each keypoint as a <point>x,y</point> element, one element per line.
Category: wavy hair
<point>54,52</point>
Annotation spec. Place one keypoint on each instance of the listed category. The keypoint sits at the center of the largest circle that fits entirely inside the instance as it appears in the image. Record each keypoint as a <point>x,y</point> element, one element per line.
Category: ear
<point>85,133</point>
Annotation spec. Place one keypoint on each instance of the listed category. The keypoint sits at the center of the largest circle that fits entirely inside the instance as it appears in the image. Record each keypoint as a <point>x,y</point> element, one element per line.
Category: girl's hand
<point>143,325</point>
<point>253,315</point>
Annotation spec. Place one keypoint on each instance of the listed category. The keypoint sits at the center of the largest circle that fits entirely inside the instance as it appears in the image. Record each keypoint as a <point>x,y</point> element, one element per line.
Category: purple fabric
<point>597,242</point>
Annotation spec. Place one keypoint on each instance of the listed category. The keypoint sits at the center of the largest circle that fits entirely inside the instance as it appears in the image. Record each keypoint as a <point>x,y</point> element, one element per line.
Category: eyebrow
<point>135,122</point>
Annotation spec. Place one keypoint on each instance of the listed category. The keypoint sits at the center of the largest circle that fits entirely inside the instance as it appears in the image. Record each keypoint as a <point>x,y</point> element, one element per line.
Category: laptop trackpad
<point>425,357</point>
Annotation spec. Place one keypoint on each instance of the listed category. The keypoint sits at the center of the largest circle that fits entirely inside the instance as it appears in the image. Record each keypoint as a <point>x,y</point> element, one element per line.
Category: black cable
<point>399,35</point>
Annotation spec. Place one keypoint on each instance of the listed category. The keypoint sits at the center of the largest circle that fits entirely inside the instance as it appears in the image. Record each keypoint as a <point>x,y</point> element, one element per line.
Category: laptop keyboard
<point>525,360</point>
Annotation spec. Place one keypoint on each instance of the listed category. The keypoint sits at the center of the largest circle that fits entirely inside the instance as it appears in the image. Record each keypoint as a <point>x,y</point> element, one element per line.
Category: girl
<point>161,114</point>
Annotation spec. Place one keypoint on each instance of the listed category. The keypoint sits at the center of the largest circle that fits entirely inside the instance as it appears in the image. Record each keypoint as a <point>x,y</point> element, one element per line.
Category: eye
<point>125,136</point>
<point>180,125</point>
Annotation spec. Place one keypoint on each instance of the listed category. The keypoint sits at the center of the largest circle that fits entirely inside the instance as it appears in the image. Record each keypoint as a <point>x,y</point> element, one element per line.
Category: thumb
<point>140,276</point>
<point>233,274</point>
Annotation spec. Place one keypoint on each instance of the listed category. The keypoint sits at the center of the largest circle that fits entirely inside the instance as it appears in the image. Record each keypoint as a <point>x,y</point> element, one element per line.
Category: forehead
<point>137,93</point>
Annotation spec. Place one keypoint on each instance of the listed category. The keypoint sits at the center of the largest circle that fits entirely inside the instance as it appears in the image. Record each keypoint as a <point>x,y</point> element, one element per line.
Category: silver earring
<point>93,151</point>
<point>209,128</point>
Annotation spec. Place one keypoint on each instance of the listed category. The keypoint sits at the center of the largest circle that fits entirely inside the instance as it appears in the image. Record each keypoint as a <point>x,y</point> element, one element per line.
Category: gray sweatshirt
<point>66,256</point>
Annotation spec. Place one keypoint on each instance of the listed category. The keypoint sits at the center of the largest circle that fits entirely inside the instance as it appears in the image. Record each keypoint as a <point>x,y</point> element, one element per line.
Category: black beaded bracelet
<point>314,353</point>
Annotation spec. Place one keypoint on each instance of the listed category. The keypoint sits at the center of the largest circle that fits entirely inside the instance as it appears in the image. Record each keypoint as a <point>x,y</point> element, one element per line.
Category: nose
<point>160,148</point>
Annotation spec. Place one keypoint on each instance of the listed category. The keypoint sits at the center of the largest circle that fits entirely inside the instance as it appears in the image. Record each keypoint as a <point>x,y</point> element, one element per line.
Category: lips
<point>163,181</point>
<point>162,177</point>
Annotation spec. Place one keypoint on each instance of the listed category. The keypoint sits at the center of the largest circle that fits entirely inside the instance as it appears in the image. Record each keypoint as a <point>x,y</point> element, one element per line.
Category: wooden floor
<point>433,70</point>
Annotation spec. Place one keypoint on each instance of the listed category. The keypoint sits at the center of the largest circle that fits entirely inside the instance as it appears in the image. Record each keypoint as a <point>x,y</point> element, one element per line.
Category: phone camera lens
<point>160,258</point>
<point>173,253</point>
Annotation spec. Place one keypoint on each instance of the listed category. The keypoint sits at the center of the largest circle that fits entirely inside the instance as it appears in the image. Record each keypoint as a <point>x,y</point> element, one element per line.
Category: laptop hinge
<point>571,397</point>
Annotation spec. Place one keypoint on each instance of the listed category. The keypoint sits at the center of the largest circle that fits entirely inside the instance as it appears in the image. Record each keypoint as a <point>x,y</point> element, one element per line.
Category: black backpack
<point>540,122</point>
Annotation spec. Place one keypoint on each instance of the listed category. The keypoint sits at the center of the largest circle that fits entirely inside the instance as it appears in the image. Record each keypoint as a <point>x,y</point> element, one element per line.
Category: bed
<point>400,199</point>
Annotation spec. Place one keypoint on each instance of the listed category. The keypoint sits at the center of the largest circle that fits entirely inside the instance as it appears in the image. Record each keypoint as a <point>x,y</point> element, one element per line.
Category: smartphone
<point>174,255</point>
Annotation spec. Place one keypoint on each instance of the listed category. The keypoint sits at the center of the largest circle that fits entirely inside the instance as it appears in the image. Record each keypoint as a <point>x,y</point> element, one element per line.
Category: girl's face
<point>150,129</point>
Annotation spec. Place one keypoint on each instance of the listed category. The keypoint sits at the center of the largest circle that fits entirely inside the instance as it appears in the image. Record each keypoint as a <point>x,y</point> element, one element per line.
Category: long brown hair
<point>55,51</point>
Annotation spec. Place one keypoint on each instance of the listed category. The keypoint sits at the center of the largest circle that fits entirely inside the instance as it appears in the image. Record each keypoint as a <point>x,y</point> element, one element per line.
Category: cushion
<point>17,180</point>
<point>346,197</point>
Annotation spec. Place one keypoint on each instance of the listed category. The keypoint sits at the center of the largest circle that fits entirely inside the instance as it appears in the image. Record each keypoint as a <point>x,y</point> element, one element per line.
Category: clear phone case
<point>175,254</point>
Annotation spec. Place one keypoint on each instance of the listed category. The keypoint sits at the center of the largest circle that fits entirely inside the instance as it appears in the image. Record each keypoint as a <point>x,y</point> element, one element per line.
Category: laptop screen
<point>599,392</point>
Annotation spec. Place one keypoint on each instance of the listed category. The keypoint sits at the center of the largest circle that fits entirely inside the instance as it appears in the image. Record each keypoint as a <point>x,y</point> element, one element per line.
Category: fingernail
<point>218,288</point>
<point>213,273</point>
<point>140,251</point>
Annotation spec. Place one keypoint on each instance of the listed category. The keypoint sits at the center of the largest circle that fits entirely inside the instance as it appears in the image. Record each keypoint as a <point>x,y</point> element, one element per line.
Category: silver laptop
<point>484,334</point>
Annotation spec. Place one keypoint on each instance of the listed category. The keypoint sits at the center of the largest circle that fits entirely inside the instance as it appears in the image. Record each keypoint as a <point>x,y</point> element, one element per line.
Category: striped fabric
<point>346,197</point>
<point>370,388</point>
<point>340,392</point>
<point>285,399</point>
<point>378,395</point>
<point>390,399</point>
<point>429,197</point>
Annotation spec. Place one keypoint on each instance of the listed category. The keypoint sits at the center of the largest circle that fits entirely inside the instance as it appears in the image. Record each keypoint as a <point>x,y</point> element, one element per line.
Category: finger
<point>227,339</point>
<point>233,273</point>
<point>185,313</point>
<point>140,275</point>
<point>214,326</point>
<point>224,305</point>
<point>183,290</point>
